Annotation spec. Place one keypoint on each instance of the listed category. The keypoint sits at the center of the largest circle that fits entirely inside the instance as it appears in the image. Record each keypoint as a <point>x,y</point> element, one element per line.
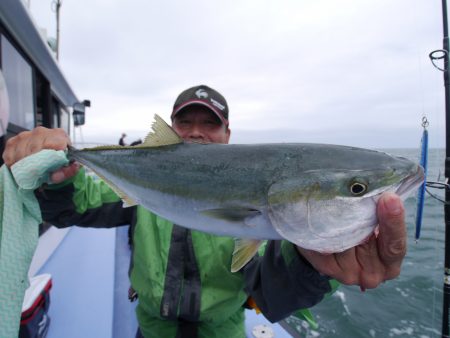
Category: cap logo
<point>201,93</point>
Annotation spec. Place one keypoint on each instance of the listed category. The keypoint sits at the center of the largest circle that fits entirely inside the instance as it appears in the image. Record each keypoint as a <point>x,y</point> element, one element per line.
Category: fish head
<point>335,209</point>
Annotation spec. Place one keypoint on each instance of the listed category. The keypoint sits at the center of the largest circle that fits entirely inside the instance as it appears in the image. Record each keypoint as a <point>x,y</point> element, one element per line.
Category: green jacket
<point>183,276</point>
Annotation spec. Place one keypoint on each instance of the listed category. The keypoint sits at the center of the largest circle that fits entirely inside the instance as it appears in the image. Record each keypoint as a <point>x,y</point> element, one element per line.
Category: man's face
<point>200,124</point>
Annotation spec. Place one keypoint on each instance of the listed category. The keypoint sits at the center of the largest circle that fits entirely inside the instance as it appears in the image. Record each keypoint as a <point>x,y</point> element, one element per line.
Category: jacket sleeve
<point>82,201</point>
<point>281,281</point>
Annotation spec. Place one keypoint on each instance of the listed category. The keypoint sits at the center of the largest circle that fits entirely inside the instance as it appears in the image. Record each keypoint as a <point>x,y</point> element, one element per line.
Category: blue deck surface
<point>82,296</point>
<point>89,297</point>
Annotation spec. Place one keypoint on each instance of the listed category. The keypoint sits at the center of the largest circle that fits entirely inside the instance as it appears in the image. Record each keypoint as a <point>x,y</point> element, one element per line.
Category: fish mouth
<point>411,182</point>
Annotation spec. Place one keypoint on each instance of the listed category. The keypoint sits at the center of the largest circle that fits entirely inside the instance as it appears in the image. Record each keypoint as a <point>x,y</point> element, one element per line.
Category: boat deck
<point>89,297</point>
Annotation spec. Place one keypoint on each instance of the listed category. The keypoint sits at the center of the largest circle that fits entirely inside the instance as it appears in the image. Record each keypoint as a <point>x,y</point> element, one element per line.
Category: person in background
<point>122,140</point>
<point>182,277</point>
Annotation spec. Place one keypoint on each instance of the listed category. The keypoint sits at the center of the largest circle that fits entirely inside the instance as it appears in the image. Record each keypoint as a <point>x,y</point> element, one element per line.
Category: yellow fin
<point>161,135</point>
<point>244,250</point>
<point>127,201</point>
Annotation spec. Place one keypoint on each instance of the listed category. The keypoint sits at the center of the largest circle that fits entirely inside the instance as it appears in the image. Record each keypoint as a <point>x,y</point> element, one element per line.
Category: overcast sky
<point>352,72</point>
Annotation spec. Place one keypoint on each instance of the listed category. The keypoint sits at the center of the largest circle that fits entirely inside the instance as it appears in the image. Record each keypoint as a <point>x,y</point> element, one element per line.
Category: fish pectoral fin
<point>238,214</point>
<point>161,135</point>
<point>244,250</point>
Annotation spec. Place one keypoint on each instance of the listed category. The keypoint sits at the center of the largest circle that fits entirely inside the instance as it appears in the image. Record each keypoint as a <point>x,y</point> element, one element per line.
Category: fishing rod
<point>446,288</point>
<point>444,54</point>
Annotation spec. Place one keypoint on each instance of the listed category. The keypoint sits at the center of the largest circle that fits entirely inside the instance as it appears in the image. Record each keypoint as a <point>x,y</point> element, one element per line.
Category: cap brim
<point>203,103</point>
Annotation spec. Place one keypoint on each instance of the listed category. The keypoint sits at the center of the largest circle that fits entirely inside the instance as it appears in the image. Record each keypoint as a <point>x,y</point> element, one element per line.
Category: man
<point>183,277</point>
<point>122,140</point>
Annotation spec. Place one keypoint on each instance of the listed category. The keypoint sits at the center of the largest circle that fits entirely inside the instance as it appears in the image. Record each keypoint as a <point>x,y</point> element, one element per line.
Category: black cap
<point>202,95</point>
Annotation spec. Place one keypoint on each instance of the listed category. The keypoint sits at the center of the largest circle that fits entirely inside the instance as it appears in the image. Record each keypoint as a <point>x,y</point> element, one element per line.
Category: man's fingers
<point>43,138</point>
<point>392,237</point>
<point>325,264</point>
<point>372,271</point>
<point>58,140</point>
<point>348,271</point>
<point>30,142</point>
<point>341,266</point>
<point>65,173</point>
<point>15,148</point>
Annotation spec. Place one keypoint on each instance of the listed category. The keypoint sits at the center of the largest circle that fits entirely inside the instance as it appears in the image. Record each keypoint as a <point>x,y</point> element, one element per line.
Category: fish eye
<point>358,188</point>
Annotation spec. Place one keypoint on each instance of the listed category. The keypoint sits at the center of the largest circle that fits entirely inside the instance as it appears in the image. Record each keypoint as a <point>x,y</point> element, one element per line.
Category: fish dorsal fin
<point>161,135</point>
<point>244,250</point>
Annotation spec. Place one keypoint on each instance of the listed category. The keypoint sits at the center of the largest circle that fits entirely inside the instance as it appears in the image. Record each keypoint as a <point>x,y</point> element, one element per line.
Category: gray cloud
<point>347,71</point>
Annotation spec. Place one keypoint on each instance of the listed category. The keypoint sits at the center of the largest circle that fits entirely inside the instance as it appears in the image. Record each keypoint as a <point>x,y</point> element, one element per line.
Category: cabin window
<point>19,81</point>
<point>55,114</point>
<point>55,120</point>
<point>65,121</point>
<point>43,102</point>
<point>60,117</point>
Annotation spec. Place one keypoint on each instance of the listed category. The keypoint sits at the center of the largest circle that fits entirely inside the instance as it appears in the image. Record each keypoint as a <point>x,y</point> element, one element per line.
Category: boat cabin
<point>33,90</point>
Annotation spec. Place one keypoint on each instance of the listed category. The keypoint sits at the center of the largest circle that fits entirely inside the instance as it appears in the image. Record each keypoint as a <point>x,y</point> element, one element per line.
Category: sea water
<point>408,306</point>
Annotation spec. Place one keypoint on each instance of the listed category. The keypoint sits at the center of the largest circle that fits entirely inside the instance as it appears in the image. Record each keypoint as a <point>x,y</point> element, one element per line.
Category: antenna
<point>56,6</point>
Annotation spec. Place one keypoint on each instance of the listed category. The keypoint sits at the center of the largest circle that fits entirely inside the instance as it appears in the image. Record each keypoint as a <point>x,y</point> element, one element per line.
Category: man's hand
<point>31,142</point>
<point>374,261</point>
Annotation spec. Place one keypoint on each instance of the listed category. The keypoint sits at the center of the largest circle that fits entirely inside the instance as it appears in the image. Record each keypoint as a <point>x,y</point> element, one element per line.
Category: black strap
<point>190,301</point>
<point>182,284</point>
<point>187,329</point>
<point>174,274</point>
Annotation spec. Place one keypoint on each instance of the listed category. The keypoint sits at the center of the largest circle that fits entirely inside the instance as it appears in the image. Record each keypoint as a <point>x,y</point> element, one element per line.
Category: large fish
<point>319,197</point>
